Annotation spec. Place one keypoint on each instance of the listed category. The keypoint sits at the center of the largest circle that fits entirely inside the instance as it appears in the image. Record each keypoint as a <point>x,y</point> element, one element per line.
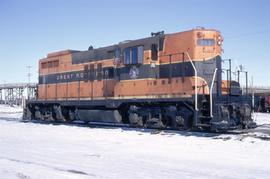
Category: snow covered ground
<point>29,150</point>
<point>8,112</point>
<point>262,118</point>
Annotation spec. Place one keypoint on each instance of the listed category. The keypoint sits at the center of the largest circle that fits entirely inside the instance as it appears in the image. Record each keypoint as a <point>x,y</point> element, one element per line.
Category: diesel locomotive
<point>163,81</point>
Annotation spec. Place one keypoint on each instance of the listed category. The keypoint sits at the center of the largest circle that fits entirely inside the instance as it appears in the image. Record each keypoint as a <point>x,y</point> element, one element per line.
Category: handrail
<point>171,54</point>
<point>195,71</point>
<point>196,81</point>
<point>211,93</point>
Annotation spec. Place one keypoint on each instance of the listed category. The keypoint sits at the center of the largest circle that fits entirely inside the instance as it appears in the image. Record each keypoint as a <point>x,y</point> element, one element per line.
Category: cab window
<point>127,56</point>
<point>133,55</point>
<point>140,54</point>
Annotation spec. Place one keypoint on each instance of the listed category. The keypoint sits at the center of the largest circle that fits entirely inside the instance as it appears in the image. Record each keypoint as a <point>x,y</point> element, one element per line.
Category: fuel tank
<point>107,116</point>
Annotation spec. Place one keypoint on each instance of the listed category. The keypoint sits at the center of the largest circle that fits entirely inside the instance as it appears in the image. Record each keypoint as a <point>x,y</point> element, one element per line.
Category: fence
<point>16,93</point>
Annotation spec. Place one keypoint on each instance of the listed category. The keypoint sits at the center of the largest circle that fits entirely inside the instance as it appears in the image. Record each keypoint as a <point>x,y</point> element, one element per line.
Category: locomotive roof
<point>103,53</point>
<point>108,52</point>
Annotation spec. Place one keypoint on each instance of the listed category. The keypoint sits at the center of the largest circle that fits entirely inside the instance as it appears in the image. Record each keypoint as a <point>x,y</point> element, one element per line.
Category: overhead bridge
<point>16,93</point>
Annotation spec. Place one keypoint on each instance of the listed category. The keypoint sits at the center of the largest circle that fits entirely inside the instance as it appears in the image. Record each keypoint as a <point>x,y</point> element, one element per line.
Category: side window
<point>154,52</point>
<point>133,55</point>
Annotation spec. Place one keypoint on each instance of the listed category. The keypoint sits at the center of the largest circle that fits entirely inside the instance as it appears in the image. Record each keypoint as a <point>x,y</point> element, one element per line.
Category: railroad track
<point>129,127</point>
<point>260,132</point>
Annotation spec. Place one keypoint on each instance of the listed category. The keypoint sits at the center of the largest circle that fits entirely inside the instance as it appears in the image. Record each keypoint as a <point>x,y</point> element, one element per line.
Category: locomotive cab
<point>208,44</point>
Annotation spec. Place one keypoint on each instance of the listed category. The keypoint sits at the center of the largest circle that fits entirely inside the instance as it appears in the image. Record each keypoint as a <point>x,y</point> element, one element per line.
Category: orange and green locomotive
<point>164,81</point>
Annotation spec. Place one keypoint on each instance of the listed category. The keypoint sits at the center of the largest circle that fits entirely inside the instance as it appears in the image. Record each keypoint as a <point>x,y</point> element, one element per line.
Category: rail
<point>196,89</point>
<point>196,81</point>
<point>211,93</point>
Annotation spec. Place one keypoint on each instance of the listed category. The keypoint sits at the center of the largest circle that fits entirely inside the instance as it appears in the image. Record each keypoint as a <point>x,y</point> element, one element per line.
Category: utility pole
<point>29,74</point>
<point>253,98</point>
<point>29,80</point>
<point>229,74</point>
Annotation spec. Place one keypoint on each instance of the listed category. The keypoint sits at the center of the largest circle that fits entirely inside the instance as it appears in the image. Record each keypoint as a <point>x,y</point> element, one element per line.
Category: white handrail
<point>196,81</point>
<point>211,93</point>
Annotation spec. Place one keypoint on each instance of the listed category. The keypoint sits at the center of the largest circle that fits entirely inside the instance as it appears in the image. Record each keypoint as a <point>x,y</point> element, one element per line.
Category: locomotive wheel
<point>48,116</point>
<point>135,120</point>
<point>71,115</point>
<point>57,114</point>
<point>154,123</point>
<point>37,114</point>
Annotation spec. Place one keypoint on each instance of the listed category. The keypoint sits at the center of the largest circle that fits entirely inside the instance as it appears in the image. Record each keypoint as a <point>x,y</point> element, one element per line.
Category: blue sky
<point>30,29</point>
